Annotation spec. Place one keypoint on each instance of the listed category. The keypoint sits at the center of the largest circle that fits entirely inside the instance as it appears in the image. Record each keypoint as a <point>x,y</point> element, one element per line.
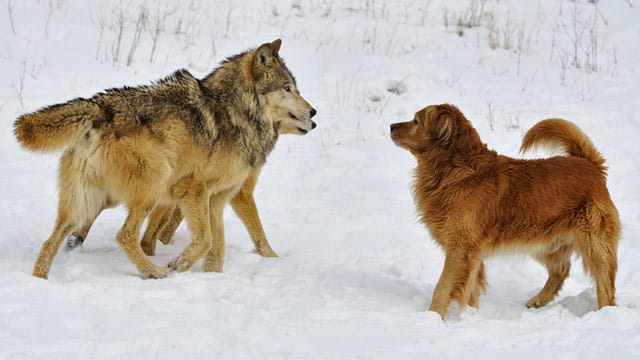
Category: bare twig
<point>120,29</point>
<point>140,24</point>
<point>10,8</point>
<point>226,28</point>
<point>21,83</point>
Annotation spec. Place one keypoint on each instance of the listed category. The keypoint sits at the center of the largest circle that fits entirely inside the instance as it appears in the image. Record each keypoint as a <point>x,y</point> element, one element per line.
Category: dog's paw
<point>73,241</point>
<point>534,303</point>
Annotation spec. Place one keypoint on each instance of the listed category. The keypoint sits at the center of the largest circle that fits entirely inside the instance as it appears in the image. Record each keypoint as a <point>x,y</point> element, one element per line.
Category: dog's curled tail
<point>55,127</point>
<point>565,135</point>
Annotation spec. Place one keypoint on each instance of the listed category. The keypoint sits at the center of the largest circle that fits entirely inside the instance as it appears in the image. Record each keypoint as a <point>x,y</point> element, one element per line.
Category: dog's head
<point>278,92</point>
<point>435,126</point>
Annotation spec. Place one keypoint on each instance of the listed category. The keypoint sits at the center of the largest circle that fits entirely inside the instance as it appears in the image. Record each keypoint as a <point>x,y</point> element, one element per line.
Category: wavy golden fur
<point>477,203</point>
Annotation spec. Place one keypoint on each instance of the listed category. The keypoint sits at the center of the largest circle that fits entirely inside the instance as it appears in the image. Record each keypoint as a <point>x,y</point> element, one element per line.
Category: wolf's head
<point>278,92</point>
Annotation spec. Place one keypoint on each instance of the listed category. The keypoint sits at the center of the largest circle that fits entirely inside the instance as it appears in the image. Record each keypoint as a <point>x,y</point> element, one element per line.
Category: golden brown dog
<point>477,203</point>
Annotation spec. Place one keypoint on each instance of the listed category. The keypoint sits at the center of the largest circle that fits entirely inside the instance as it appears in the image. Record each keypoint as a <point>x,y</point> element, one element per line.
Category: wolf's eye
<point>287,87</point>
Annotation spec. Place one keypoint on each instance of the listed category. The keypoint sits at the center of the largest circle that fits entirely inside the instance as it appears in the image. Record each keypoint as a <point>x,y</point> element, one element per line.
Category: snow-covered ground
<point>357,270</point>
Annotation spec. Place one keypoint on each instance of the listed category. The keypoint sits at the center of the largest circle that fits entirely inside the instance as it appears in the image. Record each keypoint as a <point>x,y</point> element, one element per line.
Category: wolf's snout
<point>313,113</point>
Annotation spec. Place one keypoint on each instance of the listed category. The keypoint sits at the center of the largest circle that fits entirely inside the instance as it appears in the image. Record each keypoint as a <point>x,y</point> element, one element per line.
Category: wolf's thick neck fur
<point>230,89</point>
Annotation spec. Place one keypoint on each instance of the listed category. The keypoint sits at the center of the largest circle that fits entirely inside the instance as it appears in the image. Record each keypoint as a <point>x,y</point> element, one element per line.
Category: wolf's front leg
<point>215,257</point>
<point>195,207</point>
<point>128,239</point>
<point>244,204</point>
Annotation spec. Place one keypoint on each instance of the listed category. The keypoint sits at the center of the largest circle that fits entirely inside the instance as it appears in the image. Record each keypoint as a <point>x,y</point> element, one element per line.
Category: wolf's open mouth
<point>301,123</point>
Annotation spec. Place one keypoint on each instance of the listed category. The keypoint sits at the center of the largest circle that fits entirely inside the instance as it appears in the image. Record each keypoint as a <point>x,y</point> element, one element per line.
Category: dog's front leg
<point>459,265</point>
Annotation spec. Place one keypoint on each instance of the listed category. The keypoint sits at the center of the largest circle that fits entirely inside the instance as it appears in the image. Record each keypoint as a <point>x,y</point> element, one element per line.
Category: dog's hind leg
<point>244,206</point>
<point>128,239</point>
<point>557,260</point>
<point>459,265</point>
<point>597,244</point>
<point>600,262</point>
<point>159,218</point>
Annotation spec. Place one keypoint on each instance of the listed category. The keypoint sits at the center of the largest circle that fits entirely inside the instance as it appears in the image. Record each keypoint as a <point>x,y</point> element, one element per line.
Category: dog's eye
<point>287,87</point>
<point>414,121</point>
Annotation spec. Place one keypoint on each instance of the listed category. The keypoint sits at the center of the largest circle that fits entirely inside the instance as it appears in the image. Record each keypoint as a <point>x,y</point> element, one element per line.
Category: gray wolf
<point>477,203</point>
<point>165,219</point>
<point>180,141</point>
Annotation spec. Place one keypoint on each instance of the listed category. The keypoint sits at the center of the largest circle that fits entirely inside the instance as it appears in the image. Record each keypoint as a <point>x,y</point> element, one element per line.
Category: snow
<point>356,269</point>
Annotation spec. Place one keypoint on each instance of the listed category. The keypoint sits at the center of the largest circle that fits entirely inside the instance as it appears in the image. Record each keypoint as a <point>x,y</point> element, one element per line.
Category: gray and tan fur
<point>179,141</point>
<point>165,219</point>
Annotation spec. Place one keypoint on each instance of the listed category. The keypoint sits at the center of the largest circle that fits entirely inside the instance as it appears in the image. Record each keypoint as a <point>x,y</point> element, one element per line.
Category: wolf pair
<point>186,147</point>
<point>183,143</point>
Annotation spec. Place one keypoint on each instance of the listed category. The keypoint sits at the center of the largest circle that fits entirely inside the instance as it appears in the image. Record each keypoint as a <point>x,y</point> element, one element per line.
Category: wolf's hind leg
<point>77,238</point>
<point>159,218</point>
<point>128,239</point>
<point>170,228</point>
<point>50,247</point>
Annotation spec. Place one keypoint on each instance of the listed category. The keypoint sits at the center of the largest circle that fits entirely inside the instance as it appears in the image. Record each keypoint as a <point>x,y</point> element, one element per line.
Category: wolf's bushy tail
<point>565,135</point>
<point>54,127</point>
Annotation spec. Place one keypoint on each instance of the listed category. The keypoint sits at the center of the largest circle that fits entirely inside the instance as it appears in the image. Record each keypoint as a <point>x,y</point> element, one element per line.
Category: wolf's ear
<point>267,52</point>
<point>275,46</point>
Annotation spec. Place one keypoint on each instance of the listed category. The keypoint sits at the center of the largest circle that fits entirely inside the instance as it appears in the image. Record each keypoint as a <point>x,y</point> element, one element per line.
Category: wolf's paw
<point>156,272</point>
<point>212,266</point>
<point>266,251</point>
<point>73,241</point>
<point>173,265</point>
<point>40,273</point>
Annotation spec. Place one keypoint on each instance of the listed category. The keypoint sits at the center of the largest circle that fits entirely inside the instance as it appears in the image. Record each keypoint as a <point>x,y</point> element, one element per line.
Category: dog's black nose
<point>313,124</point>
<point>313,112</point>
<point>392,126</point>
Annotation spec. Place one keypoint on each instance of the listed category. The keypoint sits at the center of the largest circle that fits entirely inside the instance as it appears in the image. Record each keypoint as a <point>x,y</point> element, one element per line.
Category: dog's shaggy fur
<point>179,141</point>
<point>477,203</point>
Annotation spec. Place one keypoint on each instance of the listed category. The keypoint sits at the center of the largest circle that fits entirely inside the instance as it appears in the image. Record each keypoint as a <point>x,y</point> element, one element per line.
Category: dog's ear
<point>266,53</point>
<point>445,124</point>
